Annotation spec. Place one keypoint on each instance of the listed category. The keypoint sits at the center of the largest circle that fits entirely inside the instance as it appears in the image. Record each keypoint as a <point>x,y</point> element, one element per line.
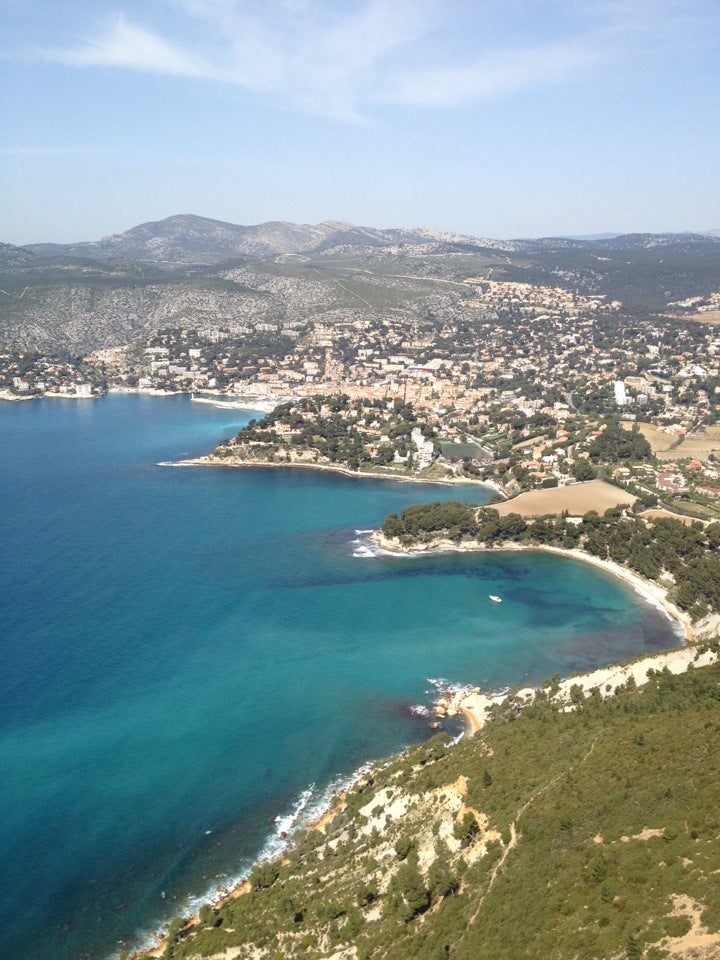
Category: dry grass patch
<point>708,316</point>
<point>658,512</point>
<point>700,445</point>
<point>577,499</point>
<point>659,440</point>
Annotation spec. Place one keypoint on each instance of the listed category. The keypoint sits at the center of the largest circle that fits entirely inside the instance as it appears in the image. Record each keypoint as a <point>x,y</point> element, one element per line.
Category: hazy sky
<point>499,118</point>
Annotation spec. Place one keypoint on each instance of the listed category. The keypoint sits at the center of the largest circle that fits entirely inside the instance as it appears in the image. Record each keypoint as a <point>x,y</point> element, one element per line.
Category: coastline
<point>476,707</point>
<point>652,592</point>
<point>215,399</point>
<point>332,799</point>
<point>210,461</point>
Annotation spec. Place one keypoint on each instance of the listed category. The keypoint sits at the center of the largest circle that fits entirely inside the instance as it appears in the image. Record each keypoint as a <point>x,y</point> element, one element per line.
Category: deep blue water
<point>185,651</point>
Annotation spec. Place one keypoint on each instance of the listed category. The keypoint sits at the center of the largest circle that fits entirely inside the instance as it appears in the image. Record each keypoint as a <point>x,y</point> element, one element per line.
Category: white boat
<point>495,599</point>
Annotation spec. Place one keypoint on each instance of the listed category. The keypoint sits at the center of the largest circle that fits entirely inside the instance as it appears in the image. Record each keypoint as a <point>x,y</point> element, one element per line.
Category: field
<point>709,316</point>
<point>659,441</point>
<point>700,445</point>
<point>697,446</point>
<point>577,499</point>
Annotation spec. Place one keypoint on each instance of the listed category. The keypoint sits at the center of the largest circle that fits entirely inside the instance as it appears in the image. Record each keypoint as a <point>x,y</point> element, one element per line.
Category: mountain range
<point>192,271</point>
<point>187,238</point>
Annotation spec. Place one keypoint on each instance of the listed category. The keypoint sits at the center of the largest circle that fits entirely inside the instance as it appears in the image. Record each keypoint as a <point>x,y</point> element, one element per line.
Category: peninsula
<point>554,787</point>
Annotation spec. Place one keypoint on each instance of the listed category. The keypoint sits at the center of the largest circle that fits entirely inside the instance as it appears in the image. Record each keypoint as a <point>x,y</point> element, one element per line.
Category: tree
<point>441,880</point>
<point>615,444</point>
<point>582,470</point>
<point>407,895</point>
<point>466,830</point>
<point>264,876</point>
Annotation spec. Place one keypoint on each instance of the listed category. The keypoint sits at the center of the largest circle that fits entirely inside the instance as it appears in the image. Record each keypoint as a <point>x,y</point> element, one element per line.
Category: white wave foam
<point>365,546</point>
<point>653,601</point>
<point>647,596</point>
<point>364,552</point>
<point>450,687</point>
<point>420,710</point>
<point>309,807</point>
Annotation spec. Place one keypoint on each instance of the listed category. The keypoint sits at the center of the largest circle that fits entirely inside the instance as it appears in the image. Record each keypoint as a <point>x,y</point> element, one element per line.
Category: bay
<point>189,654</point>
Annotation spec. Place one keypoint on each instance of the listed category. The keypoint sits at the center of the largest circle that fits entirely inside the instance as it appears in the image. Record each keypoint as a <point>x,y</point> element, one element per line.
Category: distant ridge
<point>195,272</point>
<point>188,238</point>
<point>590,237</point>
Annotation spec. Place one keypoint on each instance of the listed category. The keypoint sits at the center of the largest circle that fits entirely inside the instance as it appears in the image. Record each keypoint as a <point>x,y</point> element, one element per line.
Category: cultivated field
<point>700,445</point>
<point>577,499</point>
<point>709,316</point>
<point>697,446</point>
<point>660,442</point>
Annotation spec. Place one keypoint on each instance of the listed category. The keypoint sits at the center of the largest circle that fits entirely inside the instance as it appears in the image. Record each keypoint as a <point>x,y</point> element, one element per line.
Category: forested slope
<point>552,834</point>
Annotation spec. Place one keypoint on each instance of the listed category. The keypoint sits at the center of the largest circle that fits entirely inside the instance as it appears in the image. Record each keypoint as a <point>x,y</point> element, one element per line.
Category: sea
<point>193,659</point>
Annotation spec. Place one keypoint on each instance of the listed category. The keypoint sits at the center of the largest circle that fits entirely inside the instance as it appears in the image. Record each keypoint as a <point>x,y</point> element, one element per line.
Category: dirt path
<point>514,836</point>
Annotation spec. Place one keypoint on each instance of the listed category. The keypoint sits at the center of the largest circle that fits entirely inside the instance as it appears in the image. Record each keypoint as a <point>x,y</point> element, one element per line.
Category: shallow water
<point>186,651</point>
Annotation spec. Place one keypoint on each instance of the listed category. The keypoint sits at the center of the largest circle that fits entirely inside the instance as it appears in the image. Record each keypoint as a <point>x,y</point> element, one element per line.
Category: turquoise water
<point>189,654</point>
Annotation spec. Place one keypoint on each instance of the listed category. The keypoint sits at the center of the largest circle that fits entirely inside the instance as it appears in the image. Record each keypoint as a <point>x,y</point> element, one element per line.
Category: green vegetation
<point>550,835</point>
<point>688,556</point>
<point>616,445</point>
<point>352,433</point>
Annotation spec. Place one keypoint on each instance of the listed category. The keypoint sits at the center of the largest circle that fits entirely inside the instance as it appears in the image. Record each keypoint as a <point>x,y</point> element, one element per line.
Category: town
<point>513,385</point>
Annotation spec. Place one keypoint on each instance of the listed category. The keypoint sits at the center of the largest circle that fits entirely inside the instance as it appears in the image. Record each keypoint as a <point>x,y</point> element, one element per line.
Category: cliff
<point>553,833</point>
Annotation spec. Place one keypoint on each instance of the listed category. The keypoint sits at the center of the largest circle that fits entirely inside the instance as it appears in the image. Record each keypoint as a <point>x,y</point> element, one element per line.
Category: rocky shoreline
<point>477,707</point>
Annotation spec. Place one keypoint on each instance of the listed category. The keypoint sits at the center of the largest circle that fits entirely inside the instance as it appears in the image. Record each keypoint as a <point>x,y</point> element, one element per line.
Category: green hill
<point>593,833</point>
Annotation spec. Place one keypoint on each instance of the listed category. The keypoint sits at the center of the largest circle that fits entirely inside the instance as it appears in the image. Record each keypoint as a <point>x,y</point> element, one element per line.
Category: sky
<point>494,118</point>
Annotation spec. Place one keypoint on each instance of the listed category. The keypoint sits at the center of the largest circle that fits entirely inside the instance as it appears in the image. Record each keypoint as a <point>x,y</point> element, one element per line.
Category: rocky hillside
<point>552,834</point>
<point>193,271</point>
<point>190,239</point>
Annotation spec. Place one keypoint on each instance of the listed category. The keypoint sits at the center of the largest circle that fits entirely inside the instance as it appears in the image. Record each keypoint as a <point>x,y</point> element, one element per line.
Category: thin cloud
<point>130,47</point>
<point>336,61</point>
<point>498,75</point>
